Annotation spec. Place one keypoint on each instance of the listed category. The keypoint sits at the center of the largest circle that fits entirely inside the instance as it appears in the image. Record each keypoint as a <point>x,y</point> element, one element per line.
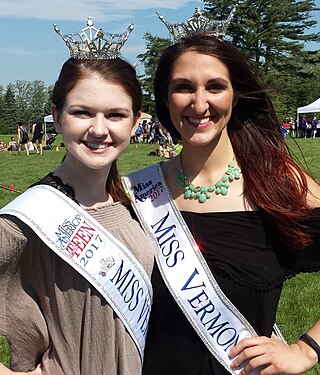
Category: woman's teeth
<point>96,145</point>
<point>199,121</point>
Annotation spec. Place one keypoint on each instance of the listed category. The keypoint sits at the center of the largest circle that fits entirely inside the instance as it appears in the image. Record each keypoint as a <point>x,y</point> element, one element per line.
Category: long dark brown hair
<point>116,71</point>
<point>273,181</point>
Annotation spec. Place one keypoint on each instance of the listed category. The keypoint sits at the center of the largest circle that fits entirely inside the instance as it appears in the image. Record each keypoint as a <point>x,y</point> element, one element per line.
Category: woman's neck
<point>89,185</point>
<point>206,162</point>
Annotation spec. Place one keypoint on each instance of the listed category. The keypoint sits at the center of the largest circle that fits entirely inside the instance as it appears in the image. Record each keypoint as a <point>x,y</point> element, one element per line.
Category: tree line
<point>23,101</point>
<point>274,34</point>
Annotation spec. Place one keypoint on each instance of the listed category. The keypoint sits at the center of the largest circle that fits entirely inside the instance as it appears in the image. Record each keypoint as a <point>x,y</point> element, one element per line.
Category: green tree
<point>154,47</point>
<point>296,83</point>
<point>267,30</point>
<point>47,106</point>
<point>2,110</point>
<point>38,99</point>
<point>22,99</point>
<point>10,114</point>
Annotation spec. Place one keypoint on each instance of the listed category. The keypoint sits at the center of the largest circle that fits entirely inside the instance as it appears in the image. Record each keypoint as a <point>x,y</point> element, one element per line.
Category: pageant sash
<point>92,251</point>
<point>215,319</point>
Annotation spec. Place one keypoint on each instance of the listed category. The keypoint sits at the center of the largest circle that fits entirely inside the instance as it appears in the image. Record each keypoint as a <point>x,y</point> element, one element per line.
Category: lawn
<point>299,304</point>
<point>21,171</point>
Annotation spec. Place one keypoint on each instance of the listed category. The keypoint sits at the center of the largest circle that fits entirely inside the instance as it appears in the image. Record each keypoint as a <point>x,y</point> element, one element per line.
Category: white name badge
<point>215,319</point>
<point>91,250</point>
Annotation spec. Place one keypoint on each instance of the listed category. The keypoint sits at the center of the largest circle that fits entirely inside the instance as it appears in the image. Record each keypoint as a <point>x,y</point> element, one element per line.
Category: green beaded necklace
<point>202,193</point>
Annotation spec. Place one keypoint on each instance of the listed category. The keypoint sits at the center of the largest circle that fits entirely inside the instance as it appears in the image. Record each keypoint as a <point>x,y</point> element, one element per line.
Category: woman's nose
<point>99,126</point>
<point>200,102</point>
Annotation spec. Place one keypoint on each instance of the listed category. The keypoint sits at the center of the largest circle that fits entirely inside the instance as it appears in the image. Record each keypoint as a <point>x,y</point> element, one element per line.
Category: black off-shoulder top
<point>250,266</point>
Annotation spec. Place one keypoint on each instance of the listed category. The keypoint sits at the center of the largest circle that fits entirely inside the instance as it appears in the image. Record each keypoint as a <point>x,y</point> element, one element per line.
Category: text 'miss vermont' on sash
<point>92,251</point>
<point>217,322</point>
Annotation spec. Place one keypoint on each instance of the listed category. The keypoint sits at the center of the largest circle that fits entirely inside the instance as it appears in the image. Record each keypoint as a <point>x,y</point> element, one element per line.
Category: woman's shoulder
<point>15,236</point>
<point>13,230</point>
<point>313,196</point>
<point>170,166</point>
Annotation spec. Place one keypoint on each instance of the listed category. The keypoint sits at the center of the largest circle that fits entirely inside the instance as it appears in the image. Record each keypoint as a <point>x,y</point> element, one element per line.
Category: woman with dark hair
<point>75,291</point>
<point>37,135</point>
<point>234,216</point>
<point>23,137</point>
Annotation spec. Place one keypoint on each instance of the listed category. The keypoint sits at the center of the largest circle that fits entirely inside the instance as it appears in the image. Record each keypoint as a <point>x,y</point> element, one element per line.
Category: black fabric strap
<point>312,343</point>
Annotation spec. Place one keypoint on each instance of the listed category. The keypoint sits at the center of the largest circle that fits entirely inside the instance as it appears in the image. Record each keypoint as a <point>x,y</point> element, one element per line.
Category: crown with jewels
<point>94,44</point>
<point>198,23</point>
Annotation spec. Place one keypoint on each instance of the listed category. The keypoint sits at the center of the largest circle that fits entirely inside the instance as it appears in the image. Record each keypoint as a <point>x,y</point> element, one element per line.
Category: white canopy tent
<point>145,117</point>
<point>48,122</point>
<point>48,118</point>
<point>310,108</point>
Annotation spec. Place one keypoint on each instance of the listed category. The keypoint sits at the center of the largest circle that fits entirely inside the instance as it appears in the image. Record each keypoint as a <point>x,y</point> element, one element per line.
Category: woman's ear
<point>235,101</point>
<point>56,118</point>
<point>136,119</point>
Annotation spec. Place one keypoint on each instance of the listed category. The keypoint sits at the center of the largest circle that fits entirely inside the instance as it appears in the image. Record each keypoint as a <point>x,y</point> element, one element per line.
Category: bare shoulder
<point>170,167</point>
<point>313,197</point>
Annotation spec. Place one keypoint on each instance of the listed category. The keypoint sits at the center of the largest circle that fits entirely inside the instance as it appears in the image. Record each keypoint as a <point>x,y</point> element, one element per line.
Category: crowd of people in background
<point>29,138</point>
<point>154,133</point>
<point>308,127</point>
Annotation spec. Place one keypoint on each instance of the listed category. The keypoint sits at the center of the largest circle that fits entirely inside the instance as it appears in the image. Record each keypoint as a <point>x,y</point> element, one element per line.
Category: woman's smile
<point>197,122</point>
<point>97,145</point>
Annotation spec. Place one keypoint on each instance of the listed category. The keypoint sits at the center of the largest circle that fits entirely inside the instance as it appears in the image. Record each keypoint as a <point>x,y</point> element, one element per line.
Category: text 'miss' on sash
<point>92,251</point>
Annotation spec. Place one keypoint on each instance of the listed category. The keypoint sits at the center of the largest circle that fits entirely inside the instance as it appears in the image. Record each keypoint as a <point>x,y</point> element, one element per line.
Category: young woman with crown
<point>74,279</point>
<point>234,216</point>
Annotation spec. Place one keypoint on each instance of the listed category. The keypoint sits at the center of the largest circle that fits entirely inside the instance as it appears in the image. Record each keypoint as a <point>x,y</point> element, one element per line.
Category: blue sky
<point>30,49</point>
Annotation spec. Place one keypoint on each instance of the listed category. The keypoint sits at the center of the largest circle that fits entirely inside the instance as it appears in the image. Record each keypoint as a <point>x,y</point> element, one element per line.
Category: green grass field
<point>299,304</point>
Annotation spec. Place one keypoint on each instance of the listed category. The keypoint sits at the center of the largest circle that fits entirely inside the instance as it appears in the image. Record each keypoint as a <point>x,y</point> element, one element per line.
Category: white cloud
<point>16,51</point>
<point>100,10</point>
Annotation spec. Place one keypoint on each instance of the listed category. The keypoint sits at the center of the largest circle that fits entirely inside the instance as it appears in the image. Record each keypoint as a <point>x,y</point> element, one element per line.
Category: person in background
<point>314,127</point>
<point>292,127</point>
<point>232,212</point>
<point>37,136</point>
<point>3,146</point>
<point>12,145</point>
<point>75,290</point>
<point>285,127</point>
<point>303,127</point>
<point>160,136</point>
<point>23,137</point>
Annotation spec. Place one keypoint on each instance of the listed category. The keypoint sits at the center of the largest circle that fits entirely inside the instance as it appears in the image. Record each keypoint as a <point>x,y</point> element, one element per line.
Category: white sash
<point>215,319</point>
<point>92,251</point>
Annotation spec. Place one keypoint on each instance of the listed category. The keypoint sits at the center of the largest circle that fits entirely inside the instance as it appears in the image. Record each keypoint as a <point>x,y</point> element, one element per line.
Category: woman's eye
<point>81,113</point>
<point>183,87</point>
<point>116,115</point>
<point>216,87</point>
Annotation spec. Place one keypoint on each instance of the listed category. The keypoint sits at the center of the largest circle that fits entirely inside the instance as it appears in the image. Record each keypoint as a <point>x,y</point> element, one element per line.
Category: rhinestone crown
<point>198,23</point>
<point>94,44</point>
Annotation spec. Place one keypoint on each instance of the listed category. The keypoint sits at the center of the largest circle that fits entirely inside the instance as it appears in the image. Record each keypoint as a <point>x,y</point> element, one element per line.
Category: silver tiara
<point>94,44</point>
<point>198,23</point>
